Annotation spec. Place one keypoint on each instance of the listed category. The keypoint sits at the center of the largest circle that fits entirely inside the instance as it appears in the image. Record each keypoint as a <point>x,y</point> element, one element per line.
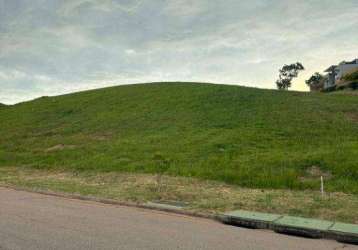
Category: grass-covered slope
<point>245,136</point>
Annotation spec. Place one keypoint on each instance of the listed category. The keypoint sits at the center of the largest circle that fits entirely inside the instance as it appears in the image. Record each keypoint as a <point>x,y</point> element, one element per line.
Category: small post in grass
<point>322,186</point>
<point>163,164</point>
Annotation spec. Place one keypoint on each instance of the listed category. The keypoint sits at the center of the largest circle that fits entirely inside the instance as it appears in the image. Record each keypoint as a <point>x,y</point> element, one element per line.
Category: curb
<point>312,228</point>
<point>344,233</point>
<point>148,205</point>
<point>254,220</point>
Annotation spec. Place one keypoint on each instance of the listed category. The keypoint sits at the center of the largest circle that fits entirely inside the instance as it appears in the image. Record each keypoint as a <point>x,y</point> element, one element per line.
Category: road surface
<point>34,221</point>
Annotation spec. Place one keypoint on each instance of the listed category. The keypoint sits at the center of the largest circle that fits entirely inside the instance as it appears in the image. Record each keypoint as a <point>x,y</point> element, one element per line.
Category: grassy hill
<point>244,136</point>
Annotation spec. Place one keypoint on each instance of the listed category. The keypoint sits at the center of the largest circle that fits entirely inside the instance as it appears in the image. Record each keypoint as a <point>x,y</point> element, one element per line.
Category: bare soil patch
<point>315,173</point>
<point>60,147</point>
<point>352,116</point>
<point>101,137</point>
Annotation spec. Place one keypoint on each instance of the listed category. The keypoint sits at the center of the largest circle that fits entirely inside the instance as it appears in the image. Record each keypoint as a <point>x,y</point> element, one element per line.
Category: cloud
<point>54,47</point>
<point>73,7</point>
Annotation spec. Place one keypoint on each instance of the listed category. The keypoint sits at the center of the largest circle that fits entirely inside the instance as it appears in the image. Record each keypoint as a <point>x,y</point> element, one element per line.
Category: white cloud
<point>53,47</point>
<point>71,7</point>
<point>185,8</point>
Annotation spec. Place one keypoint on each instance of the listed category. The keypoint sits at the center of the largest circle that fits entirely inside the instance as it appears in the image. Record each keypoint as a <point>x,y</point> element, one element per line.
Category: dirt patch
<point>314,173</point>
<point>60,147</point>
<point>352,116</point>
<point>101,137</point>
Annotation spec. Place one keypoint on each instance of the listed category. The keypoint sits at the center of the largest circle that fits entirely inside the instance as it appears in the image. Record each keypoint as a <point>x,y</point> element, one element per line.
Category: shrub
<point>353,76</point>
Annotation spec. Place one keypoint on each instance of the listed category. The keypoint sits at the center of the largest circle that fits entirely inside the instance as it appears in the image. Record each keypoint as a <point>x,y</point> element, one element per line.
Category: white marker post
<point>322,187</point>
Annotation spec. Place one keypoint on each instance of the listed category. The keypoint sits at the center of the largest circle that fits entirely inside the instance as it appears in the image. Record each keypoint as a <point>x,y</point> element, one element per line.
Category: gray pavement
<point>34,221</point>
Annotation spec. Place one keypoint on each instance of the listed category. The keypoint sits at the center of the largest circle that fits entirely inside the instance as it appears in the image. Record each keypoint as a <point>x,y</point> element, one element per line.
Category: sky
<point>52,47</point>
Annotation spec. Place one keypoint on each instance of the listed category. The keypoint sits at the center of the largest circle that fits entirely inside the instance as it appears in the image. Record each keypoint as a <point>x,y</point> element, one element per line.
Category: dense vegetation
<point>244,136</point>
<point>353,76</point>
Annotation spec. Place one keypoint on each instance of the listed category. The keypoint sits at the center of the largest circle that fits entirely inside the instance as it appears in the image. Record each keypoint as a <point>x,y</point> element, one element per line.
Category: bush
<point>353,85</point>
<point>353,76</point>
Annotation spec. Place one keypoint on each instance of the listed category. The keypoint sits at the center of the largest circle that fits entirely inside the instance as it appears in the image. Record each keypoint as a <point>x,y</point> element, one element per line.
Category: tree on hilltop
<point>315,82</point>
<point>287,73</point>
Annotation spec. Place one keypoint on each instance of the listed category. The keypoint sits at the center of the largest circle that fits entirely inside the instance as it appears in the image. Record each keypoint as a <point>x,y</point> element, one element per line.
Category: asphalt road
<point>34,221</point>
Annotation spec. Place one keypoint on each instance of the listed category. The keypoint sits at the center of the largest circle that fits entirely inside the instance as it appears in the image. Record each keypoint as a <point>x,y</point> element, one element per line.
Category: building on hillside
<point>336,72</point>
<point>330,77</point>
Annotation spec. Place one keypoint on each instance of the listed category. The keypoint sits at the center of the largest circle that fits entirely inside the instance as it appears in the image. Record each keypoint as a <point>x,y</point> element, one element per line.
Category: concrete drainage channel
<point>312,228</point>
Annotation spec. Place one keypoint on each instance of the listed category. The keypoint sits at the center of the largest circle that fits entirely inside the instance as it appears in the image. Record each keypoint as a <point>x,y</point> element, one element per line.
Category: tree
<point>287,73</point>
<point>315,80</point>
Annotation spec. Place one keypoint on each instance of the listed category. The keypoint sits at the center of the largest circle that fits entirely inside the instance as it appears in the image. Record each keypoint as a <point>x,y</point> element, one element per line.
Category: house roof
<point>355,61</point>
<point>331,69</point>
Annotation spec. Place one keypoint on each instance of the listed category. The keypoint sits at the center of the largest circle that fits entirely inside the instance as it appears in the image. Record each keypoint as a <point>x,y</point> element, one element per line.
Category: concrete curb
<point>302,227</point>
<point>299,226</point>
<point>254,220</point>
<point>344,233</point>
<point>149,205</point>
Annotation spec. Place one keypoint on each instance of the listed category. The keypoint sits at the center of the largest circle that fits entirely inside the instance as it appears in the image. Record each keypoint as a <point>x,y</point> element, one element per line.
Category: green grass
<point>198,195</point>
<point>243,136</point>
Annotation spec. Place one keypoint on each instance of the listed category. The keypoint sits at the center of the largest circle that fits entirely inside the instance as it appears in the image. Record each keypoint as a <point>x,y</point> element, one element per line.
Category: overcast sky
<point>50,47</point>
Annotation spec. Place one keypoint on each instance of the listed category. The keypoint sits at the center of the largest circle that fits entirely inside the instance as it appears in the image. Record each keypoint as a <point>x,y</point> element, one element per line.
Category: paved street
<point>35,221</point>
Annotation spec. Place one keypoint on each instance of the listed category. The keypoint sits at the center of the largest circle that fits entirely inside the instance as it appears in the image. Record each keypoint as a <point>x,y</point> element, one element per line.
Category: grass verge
<point>201,196</point>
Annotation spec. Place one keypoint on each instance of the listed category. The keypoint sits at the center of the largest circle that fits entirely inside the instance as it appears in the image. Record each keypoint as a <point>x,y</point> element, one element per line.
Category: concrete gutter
<point>254,220</point>
<point>344,232</point>
<point>301,226</point>
<point>306,227</point>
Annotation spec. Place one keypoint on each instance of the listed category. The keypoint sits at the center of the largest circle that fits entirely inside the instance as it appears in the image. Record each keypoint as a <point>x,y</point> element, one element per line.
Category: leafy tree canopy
<point>315,79</point>
<point>287,73</point>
